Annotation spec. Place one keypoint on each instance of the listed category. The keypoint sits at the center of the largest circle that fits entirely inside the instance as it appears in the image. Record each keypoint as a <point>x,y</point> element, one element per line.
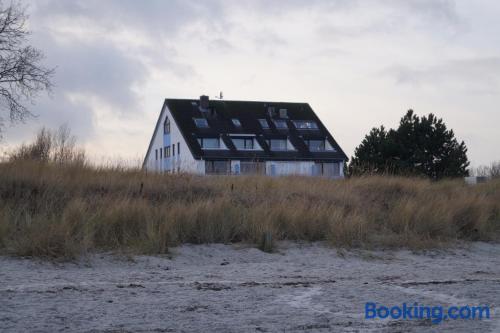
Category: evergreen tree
<point>371,155</point>
<point>419,146</point>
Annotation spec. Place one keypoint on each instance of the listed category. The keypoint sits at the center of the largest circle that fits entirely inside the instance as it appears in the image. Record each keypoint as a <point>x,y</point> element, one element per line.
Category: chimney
<point>204,102</point>
<point>271,112</point>
<point>283,113</point>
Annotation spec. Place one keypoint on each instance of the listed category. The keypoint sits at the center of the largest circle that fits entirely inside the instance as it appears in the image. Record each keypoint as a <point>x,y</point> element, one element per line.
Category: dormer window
<point>201,122</point>
<point>319,145</point>
<point>279,144</point>
<point>243,143</point>
<point>280,124</point>
<point>305,124</point>
<point>166,126</point>
<point>315,145</point>
<point>209,143</point>
<point>236,122</point>
<point>264,124</point>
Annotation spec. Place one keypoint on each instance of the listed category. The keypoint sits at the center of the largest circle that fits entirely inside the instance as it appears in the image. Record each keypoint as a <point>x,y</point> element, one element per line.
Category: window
<point>156,154</point>
<point>173,149</point>
<point>209,143</point>
<point>305,124</point>
<point>277,144</point>
<point>326,169</point>
<point>217,167</point>
<point>167,151</point>
<point>315,145</point>
<point>243,143</point>
<point>331,169</point>
<point>252,167</point>
<point>201,122</point>
<point>178,148</point>
<point>161,153</point>
<point>280,124</point>
<point>263,123</point>
<point>166,126</point>
<point>236,122</point>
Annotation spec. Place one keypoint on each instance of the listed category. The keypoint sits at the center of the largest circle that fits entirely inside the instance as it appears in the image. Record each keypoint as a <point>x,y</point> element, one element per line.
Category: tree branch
<point>22,76</point>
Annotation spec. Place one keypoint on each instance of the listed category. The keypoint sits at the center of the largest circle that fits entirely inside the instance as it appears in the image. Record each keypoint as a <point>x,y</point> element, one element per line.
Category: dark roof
<point>220,113</point>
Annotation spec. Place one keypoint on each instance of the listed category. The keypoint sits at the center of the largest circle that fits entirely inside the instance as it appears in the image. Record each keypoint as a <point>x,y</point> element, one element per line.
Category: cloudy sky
<point>359,64</point>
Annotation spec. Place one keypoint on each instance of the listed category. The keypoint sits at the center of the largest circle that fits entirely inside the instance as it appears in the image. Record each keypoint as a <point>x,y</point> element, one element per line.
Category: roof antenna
<point>221,96</point>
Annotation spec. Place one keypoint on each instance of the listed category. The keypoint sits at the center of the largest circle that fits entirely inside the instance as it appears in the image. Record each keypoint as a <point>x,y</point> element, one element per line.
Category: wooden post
<point>267,241</point>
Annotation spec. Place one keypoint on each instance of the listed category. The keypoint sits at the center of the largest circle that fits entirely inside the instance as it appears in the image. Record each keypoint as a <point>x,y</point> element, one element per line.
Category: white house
<point>242,137</point>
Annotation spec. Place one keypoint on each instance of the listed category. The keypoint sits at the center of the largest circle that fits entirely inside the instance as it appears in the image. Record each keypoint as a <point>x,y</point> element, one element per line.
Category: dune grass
<point>64,212</point>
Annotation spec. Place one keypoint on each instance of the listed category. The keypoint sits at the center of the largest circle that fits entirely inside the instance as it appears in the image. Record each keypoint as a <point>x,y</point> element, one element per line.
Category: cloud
<point>430,10</point>
<point>157,17</point>
<point>389,17</point>
<point>117,60</point>
<point>52,112</point>
<point>220,45</point>
<point>477,75</point>
<point>103,56</point>
<point>99,69</point>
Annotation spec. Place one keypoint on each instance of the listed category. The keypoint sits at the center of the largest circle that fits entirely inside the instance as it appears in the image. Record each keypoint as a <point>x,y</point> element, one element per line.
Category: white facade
<point>474,180</point>
<point>182,161</point>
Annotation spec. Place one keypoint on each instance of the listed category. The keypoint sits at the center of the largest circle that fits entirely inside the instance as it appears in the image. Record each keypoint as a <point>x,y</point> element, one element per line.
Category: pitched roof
<point>219,117</point>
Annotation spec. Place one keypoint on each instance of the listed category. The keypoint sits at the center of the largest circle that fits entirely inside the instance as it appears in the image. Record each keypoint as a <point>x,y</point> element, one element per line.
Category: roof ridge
<point>232,100</point>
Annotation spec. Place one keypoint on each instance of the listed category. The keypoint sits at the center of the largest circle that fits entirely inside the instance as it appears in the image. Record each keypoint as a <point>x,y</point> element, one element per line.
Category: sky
<point>359,64</point>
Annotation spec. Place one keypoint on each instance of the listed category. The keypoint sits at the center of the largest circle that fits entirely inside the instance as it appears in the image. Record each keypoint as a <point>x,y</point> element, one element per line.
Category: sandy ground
<point>224,288</point>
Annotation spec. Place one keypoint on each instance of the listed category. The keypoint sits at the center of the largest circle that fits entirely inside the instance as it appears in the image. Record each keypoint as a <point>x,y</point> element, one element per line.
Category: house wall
<point>473,180</point>
<point>288,168</point>
<point>183,161</point>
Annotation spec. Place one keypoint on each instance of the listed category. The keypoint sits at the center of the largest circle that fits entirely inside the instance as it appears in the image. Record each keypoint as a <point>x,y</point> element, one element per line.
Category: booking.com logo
<point>415,311</point>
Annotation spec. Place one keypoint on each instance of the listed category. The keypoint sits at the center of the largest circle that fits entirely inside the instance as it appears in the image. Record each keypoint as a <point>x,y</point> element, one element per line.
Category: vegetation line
<point>64,211</point>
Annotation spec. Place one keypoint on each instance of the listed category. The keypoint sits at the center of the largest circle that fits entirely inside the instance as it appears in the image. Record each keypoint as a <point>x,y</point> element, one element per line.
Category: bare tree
<point>40,150</point>
<point>493,170</point>
<point>65,150</point>
<point>51,146</point>
<point>22,76</point>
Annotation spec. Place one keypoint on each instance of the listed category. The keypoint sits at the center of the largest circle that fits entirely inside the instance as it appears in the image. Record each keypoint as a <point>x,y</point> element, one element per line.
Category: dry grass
<point>64,212</point>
